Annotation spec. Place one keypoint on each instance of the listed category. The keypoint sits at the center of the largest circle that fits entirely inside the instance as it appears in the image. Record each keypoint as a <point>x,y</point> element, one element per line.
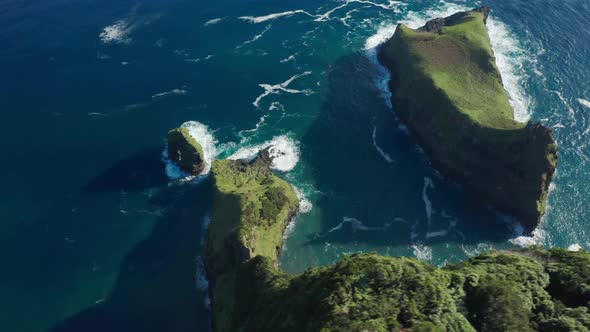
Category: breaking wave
<point>201,134</point>
<point>284,150</point>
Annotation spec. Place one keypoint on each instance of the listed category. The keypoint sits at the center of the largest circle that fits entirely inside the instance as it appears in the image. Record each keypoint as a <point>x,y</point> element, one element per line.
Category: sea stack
<point>447,89</point>
<point>185,151</point>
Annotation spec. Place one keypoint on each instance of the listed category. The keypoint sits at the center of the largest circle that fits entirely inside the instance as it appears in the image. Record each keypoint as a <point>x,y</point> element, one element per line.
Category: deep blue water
<point>96,236</point>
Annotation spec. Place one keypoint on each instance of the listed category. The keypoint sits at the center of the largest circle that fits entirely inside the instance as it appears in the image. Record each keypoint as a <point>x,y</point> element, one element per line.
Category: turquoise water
<point>97,235</point>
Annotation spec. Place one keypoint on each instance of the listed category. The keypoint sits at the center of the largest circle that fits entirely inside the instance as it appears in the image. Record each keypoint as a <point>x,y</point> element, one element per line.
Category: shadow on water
<point>156,287</point>
<point>135,173</point>
<point>377,186</point>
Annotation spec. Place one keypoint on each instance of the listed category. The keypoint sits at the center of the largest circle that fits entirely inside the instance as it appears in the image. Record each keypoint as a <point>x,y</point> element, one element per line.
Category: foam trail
<point>381,152</point>
<point>177,92</point>
<point>269,17</point>
<point>584,102</point>
<point>258,36</point>
<point>213,21</point>
<point>284,151</point>
<point>201,134</point>
<point>290,58</point>
<point>355,224</point>
<point>200,59</point>
<point>427,203</point>
<point>277,88</point>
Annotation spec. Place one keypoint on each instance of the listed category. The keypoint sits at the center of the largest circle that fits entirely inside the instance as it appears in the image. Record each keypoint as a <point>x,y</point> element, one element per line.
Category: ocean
<point>100,232</point>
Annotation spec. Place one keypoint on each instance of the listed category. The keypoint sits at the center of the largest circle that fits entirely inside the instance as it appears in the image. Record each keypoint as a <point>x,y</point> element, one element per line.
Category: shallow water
<point>95,235</point>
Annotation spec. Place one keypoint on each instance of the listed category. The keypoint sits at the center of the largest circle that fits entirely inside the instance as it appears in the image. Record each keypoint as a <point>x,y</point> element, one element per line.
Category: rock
<point>448,91</point>
<point>185,151</point>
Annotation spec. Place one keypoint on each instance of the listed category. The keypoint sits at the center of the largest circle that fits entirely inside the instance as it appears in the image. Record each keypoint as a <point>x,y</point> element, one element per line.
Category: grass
<point>447,89</point>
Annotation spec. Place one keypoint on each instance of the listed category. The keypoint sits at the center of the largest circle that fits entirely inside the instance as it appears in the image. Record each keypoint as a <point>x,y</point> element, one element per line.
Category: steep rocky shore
<point>447,90</point>
<point>524,290</point>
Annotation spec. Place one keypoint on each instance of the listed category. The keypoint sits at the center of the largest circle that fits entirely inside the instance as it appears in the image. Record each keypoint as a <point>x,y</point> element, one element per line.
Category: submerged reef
<point>447,89</point>
<point>185,151</point>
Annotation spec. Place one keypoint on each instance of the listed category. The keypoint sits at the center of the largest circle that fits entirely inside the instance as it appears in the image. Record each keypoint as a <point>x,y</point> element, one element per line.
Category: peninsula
<point>524,290</point>
<point>447,89</point>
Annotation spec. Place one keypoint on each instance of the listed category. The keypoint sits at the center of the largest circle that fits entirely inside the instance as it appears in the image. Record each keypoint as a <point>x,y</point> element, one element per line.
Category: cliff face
<point>251,209</point>
<point>185,151</point>
<point>448,91</point>
<point>526,290</point>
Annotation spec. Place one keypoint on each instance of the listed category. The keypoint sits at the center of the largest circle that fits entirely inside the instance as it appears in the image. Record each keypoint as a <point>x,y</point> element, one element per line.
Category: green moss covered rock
<point>251,209</point>
<point>448,91</point>
<point>185,151</point>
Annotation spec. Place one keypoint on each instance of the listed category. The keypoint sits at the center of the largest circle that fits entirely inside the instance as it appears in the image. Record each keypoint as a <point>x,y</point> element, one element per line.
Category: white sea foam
<point>510,59</point>
<point>256,37</point>
<point>269,17</point>
<point>117,32</point>
<point>584,102</point>
<point>172,92</point>
<point>381,152</point>
<point>120,31</point>
<point>277,88</point>
<point>202,282</point>
<point>391,5</point>
<point>284,150</point>
<point>480,248</point>
<point>305,205</point>
<point>422,252</point>
<point>428,184</point>
<point>355,224</point>
<point>536,238</point>
<point>574,247</point>
<point>201,134</point>
<point>381,80</point>
<point>200,59</point>
<point>290,58</point>
<point>213,21</point>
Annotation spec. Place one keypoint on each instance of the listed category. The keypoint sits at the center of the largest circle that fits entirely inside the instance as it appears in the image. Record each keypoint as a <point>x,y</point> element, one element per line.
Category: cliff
<point>185,151</point>
<point>525,290</point>
<point>447,89</point>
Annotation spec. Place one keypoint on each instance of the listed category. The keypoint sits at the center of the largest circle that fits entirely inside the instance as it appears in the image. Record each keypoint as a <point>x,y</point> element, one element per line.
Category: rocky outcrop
<point>447,89</point>
<point>185,151</point>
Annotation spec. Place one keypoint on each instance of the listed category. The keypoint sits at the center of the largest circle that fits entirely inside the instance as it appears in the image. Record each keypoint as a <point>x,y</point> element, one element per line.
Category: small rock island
<point>447,89</point>
<point>185,151</point>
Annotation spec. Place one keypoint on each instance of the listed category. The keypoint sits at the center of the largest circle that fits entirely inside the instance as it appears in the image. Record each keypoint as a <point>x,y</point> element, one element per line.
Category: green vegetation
<point>250,212</point>
<point>524,290</point>
<point>185,151</point>
<point>447,89</point>
<point>450,93</point>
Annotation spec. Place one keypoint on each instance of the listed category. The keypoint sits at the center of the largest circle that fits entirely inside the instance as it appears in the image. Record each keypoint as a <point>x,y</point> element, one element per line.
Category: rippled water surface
<point>99,232</point>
